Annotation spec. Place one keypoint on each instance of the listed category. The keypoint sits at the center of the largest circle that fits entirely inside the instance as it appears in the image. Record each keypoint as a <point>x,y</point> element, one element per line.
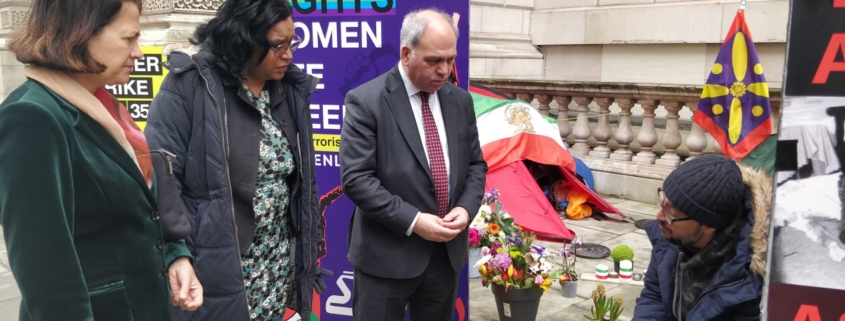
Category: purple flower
<point>495,193</point>
<point>515,241</point>
<point>502,261</point>
<point>539,249</point>
<point>487,198</point>
<point>564,252</point>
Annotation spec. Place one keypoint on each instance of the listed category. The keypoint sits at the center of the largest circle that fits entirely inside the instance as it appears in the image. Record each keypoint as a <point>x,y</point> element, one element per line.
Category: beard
<point>690,240</point>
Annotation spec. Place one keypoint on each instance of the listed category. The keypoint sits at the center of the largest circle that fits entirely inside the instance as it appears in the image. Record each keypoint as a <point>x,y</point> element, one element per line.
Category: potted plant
<point>605,308</point>
<point>518,272</point>
<point>567,276</point>
<point>621,253</point>
<point>490,223</point>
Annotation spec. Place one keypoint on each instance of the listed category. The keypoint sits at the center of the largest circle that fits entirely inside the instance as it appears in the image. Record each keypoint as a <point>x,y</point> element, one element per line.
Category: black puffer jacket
<point>186,119</point>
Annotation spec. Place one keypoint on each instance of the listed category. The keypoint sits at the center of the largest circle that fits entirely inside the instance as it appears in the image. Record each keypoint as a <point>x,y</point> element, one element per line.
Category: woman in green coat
<point>77,200</point>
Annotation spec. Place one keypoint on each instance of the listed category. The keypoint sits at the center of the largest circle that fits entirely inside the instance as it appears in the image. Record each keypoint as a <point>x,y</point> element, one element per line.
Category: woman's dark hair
<point>239,31</point>
<point>58,31</point>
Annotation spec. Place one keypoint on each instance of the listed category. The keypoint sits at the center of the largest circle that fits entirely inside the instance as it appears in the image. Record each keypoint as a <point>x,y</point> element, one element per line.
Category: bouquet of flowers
<point>514,263</point>
<point>491,223</point>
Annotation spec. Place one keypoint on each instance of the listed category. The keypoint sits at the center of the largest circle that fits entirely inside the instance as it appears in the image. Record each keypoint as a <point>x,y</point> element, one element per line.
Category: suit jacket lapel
<point>100,137</point>
<point>400,105</point>
<point>449,110</point>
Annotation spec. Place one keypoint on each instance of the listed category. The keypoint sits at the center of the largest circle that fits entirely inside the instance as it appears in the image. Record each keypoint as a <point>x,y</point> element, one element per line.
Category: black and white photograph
<point>807,215</point>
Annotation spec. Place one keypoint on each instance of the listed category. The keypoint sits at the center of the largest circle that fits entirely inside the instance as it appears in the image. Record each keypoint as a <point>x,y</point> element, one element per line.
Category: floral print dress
<point>267,265</point>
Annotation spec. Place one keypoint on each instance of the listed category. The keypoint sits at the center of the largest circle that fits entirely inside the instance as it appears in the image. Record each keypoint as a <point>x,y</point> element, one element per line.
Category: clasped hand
<point>185,288</point>
<point>436,229</point>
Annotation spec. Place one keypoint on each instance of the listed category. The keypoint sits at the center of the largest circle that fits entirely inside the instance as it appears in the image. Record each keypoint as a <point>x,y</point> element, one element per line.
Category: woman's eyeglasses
<point>293,44</point>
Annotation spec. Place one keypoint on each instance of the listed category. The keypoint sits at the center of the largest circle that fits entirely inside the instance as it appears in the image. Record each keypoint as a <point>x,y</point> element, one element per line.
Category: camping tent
<point>514,137</point>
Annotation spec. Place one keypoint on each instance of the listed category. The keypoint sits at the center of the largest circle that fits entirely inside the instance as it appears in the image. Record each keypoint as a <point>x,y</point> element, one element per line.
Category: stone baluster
<point>603,131</point>
<point>671,135</point>
<point>563,117</point>
<point>717,148</point>
<point>625,134</point>
<point>647,136</point>
<point>544,101</point>
<point>528,98</point>
<point>582,127</point>
<point>696,141</point>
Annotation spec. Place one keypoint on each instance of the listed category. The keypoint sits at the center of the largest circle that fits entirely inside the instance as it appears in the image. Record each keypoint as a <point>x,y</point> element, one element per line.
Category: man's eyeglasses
<point>669,219</point>
<point>293,44</point>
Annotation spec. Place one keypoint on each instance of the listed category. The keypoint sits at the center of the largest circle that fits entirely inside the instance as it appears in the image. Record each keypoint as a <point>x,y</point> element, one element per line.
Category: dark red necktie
<point>435,157</point>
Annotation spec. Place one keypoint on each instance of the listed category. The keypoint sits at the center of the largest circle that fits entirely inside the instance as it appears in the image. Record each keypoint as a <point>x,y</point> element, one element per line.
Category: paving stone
<point>4,257</point>
<point>607,226</point>
<point>614,200</point>
<point>475,283</point>
<point>632,207</point>
<point>571,313</point>
<point>629,293</point>
<point>590,235</point>
<point>8,287</point>
<point>638,216</point>
<point>9,309</point>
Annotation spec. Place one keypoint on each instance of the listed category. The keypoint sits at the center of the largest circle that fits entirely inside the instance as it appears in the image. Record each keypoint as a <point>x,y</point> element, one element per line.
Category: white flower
<point>483,260</point>
<point>482,214</point>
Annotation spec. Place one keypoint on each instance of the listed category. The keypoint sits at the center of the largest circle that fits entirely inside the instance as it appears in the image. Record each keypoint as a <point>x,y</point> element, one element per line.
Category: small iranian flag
<point>512,130</point>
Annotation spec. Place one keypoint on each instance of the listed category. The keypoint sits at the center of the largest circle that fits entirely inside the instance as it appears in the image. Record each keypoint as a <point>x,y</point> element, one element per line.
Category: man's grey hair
<point>415,24</point>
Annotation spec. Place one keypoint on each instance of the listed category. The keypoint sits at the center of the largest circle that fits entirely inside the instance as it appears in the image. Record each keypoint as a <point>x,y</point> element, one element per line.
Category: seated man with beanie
<point>709,243</point>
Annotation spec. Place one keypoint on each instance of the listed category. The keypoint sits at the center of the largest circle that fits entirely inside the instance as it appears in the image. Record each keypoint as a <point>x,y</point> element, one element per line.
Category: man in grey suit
<point>410,160</point>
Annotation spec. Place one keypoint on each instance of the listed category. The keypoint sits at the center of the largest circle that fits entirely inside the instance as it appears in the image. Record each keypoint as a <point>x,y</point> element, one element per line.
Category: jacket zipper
<point>677,310</point>
<point>168,156</point>
<point>310,221</point>
<point>228,176</point>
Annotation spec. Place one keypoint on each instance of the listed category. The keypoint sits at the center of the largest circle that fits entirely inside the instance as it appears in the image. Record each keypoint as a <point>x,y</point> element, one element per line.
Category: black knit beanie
<point>708,189</point>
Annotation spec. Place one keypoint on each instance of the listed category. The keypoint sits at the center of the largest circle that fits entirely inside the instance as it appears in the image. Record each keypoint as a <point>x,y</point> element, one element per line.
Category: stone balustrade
<point>603,133</point>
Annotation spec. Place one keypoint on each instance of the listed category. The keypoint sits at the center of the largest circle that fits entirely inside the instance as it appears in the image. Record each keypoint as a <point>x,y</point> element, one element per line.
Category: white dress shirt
<point>416,106</point>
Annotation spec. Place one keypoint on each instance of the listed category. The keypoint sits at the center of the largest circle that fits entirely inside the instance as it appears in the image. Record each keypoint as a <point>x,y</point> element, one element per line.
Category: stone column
<point>603,131</point>
<point>563,117</point>
<point>13,19</point>
<point>717,148</point>
<point>582,127</point>
<point>647,136</point>
<point>544,101</point>
<point>696,141</point>
<point>671,136</point>
<point>625,134</point>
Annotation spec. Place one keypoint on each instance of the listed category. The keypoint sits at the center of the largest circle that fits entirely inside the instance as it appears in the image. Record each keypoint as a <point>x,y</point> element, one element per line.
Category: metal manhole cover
<point>593,251</point>
<point>640,224</point>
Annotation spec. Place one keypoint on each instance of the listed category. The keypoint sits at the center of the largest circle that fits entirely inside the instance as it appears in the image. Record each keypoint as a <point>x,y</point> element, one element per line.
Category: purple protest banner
<point>346,43</point>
